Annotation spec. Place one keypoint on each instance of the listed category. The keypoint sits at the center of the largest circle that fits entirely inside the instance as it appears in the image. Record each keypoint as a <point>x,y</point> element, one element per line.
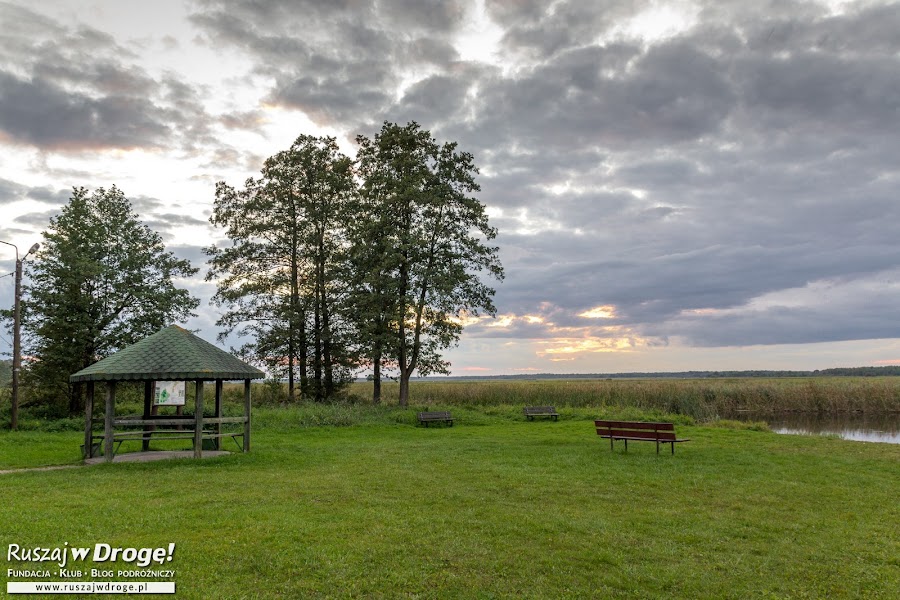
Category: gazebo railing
<point>198,426</point>
<point>186,430</point>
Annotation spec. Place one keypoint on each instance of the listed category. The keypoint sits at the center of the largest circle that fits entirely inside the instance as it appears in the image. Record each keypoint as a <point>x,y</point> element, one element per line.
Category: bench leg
<point>673,448</point>
<point>626,444</point>
<point>611,448</point>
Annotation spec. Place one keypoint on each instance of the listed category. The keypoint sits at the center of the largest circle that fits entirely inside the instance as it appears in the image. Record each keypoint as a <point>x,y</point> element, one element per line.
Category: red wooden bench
<point>661,433</point>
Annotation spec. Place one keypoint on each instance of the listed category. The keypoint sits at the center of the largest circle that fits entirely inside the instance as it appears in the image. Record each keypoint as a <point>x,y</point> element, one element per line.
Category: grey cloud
<point>749,186</point>
<point>429,50</point>
<point>670,94</point>
<point>539,31</point>
<point>840,313</point>
<point>170,219</point>
<point>64,88</point>
<point>49,116</point>
<point>39,220</point>
<point>144,204</point>
<point>250,119</point>
<point>763,165</point>
<point>815,91</point>
<point>430,15</point>
<point>433,100</point>
<point>194,254</point>
<point>49,195</point>
<point>11,191</point>
<point>338,63</point>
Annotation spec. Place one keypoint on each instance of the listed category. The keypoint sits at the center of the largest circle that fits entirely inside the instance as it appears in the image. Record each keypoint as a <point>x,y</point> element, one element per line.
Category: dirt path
<point>123,458</point>
<point>29,469</point>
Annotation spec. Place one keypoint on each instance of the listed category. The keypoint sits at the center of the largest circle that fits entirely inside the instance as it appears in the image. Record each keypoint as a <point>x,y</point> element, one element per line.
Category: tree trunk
<point>76,405</point>
<point>328,368</point>
<point>290,357</point>
<point>317,357</point>
<point>404,388</point>
<point>376,380</point>
<point>326,358</point>
<point>292,315</point>
<point>303,358</point>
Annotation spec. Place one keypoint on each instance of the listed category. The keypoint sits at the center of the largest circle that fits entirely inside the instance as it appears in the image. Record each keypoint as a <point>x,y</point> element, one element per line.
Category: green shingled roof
<point>169,354</point>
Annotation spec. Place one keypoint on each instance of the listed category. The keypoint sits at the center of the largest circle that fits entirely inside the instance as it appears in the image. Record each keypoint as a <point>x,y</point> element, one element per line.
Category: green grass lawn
<point>502,509</point>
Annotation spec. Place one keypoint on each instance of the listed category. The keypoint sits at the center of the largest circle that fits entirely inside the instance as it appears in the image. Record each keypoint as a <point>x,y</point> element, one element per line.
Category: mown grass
<point>494,507</point>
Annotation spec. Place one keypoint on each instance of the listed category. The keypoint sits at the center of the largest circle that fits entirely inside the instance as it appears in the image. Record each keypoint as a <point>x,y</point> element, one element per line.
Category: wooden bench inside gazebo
<point>171,354</point>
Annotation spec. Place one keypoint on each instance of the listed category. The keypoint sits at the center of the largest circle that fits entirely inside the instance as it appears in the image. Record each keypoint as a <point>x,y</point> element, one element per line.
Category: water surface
<point>858,427</point>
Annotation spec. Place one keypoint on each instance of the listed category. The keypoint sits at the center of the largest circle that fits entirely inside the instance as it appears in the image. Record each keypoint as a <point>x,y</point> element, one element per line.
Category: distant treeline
<point>836,372</point>
<point>5,372</point>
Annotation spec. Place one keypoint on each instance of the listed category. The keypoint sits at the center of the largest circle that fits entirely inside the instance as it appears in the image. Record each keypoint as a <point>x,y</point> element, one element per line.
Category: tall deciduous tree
<point>423,243</point>
<point>280,277</point>
<point>101,280</point>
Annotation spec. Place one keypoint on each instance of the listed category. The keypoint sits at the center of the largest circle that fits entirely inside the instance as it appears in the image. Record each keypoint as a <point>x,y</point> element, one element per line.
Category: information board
<point>169,393</point>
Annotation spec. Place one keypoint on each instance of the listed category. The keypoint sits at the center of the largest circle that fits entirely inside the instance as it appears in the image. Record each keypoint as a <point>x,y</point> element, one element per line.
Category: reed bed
<point>702,399</point>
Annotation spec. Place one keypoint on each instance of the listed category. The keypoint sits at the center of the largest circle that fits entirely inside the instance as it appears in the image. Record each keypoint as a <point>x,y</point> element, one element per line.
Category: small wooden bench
<point>540,411</point>
<point>661,433</point>
<point>438,416</point>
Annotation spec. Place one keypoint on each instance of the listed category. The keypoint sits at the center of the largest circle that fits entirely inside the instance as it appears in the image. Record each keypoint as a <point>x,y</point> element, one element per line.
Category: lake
<point>863,428</point>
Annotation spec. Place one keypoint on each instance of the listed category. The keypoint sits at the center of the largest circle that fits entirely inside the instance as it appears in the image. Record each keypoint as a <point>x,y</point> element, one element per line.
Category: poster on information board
<point>169,393</point>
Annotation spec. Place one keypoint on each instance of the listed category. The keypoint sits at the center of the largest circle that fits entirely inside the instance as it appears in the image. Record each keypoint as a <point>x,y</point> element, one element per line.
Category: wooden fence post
<point>108,420</point>
<point>198,419</point>
<point>246,415</point>
<point>89,421</point>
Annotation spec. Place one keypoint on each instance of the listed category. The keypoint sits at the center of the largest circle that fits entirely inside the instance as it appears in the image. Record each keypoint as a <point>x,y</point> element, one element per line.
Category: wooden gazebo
<point>171,354</point>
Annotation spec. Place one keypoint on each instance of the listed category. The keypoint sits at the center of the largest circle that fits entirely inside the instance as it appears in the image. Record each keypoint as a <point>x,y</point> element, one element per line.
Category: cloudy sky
<point>700,185</point>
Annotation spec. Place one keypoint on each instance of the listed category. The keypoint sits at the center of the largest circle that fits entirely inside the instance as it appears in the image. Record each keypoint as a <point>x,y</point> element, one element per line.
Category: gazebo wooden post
<point>89,421</point>
<point>108,420</point>
<point>246,415</point>
<point>198,419</point>
<point>148,404</point>
<point>218,443</point>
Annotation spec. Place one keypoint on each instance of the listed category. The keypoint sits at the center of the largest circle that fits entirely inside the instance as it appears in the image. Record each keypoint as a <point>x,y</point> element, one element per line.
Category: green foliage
<point>420,249</point>
<point>326,276</point>
<point>101,280</point>
<point>281,275</point>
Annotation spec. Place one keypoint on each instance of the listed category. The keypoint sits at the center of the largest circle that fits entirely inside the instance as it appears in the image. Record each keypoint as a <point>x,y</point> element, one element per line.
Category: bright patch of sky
<point>479,40</point>
<point>660,21</point>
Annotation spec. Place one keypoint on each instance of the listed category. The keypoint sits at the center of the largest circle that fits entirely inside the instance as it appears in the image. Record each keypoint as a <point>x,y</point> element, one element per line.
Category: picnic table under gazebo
<point>171,354</point>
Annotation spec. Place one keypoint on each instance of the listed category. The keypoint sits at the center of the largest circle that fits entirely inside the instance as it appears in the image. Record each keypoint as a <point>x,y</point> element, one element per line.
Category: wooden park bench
<point>541,411</point>
<point>439,416</point>
<point>661,433</point>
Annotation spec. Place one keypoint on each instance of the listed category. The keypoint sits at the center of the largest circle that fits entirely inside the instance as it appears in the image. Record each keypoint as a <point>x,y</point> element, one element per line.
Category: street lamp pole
<point>17,339</point>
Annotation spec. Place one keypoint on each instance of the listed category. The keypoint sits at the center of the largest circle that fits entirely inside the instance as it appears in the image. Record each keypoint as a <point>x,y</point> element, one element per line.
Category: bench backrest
<point>540,410</point>
<point>633,429</point>
<point>435,415</point>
